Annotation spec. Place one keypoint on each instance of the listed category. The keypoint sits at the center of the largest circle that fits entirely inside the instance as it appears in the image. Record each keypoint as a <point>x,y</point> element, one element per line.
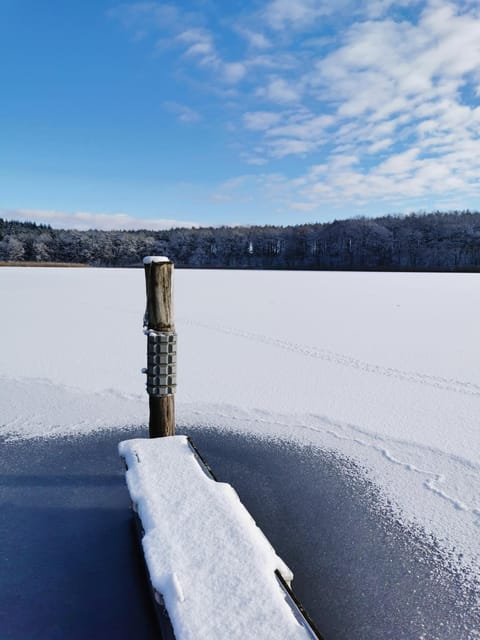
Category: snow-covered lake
<point>383,369</point>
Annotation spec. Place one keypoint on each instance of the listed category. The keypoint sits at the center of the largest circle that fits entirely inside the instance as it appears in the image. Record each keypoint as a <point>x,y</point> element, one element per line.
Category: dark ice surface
<point>70,565</point>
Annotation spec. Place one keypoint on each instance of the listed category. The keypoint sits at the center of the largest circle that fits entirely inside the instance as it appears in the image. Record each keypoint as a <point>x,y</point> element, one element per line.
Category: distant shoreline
<point>43,264</point>
<point>364,269</point>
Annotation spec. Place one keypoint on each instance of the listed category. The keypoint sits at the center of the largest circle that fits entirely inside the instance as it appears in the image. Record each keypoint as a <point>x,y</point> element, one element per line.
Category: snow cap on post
<point>150,259</point>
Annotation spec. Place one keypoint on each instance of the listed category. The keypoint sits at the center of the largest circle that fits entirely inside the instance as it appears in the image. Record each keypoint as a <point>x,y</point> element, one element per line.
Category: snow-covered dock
<point>209,564</point>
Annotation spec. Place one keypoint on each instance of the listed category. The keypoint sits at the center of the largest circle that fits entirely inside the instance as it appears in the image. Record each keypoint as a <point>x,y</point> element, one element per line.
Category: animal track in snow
<point>432,481</point>
<point>438,382</point>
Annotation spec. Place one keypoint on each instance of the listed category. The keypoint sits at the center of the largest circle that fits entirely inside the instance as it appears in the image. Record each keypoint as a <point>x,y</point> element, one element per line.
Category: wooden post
<point>160,329</point>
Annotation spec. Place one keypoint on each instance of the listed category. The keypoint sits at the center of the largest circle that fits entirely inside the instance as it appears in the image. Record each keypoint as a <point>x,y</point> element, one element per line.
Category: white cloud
<point>378,8</point>
<point>401,177</point>
<point>83,220</point>
<point>281,147</point>
<point>279,91</point>
<point>178,27</point>
<point>233,72</point>
<point>233,183</point>
<point>255,160</point>
<point>260,120</point>
<point>200,45</point>
<point>145,17</point>
<point>296,14</point>
<point>255,39</point>
<point>303,126</point>
<point>385,62</point>
<point>399,163</point>
<point>280,61</point>
<point>236,189</point>
<point>221,197</point>
<point>303,15</point>
<point>381,145</point>
<point>392,91</point>
<point>183,112</point>
<point>294,132</point>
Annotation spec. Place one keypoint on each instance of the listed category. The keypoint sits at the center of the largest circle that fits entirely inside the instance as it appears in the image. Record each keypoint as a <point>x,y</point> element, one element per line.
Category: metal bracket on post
<point>161,363</point>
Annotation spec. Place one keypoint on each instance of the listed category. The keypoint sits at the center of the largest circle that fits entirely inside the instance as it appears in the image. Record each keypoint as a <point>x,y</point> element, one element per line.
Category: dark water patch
<point>359,571</point>
<point>71,568</point>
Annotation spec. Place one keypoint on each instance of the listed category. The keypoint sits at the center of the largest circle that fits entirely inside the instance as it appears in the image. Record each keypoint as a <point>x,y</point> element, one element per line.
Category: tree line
<point>422,242</point>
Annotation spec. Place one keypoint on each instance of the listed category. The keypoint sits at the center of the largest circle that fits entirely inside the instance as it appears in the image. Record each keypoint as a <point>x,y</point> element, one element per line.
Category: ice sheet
<point>383,368</point>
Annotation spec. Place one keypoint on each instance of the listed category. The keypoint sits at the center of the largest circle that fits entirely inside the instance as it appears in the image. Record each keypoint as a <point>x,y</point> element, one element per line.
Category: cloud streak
<point>83,220</point>
<point>183,112</point>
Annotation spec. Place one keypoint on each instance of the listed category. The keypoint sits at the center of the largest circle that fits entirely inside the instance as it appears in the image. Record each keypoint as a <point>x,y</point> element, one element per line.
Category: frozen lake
<point>372,378</point>
<point>71,565</point>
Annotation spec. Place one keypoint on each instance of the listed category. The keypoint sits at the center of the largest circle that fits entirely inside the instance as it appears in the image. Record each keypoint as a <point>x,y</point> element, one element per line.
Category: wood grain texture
<point>159,317</point>
<point>159,286</point>
<point>162,416</point>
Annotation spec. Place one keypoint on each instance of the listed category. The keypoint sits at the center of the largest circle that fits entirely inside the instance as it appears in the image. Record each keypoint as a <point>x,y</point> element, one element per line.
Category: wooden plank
<point>163,619</point>
<point>195,607</point>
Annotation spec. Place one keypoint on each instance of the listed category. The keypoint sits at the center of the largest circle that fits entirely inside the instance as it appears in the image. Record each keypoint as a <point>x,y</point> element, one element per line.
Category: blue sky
<point>148,114</point>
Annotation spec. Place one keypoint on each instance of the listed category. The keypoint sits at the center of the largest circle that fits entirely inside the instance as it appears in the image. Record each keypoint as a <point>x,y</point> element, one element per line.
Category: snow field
<point>383,368</point>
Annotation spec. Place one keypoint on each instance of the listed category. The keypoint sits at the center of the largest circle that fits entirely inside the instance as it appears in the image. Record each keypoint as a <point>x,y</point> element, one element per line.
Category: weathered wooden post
<point>161,346</point>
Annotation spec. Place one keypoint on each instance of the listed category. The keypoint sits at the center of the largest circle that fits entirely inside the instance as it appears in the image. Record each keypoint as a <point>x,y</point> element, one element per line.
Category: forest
<point>419,242</point>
